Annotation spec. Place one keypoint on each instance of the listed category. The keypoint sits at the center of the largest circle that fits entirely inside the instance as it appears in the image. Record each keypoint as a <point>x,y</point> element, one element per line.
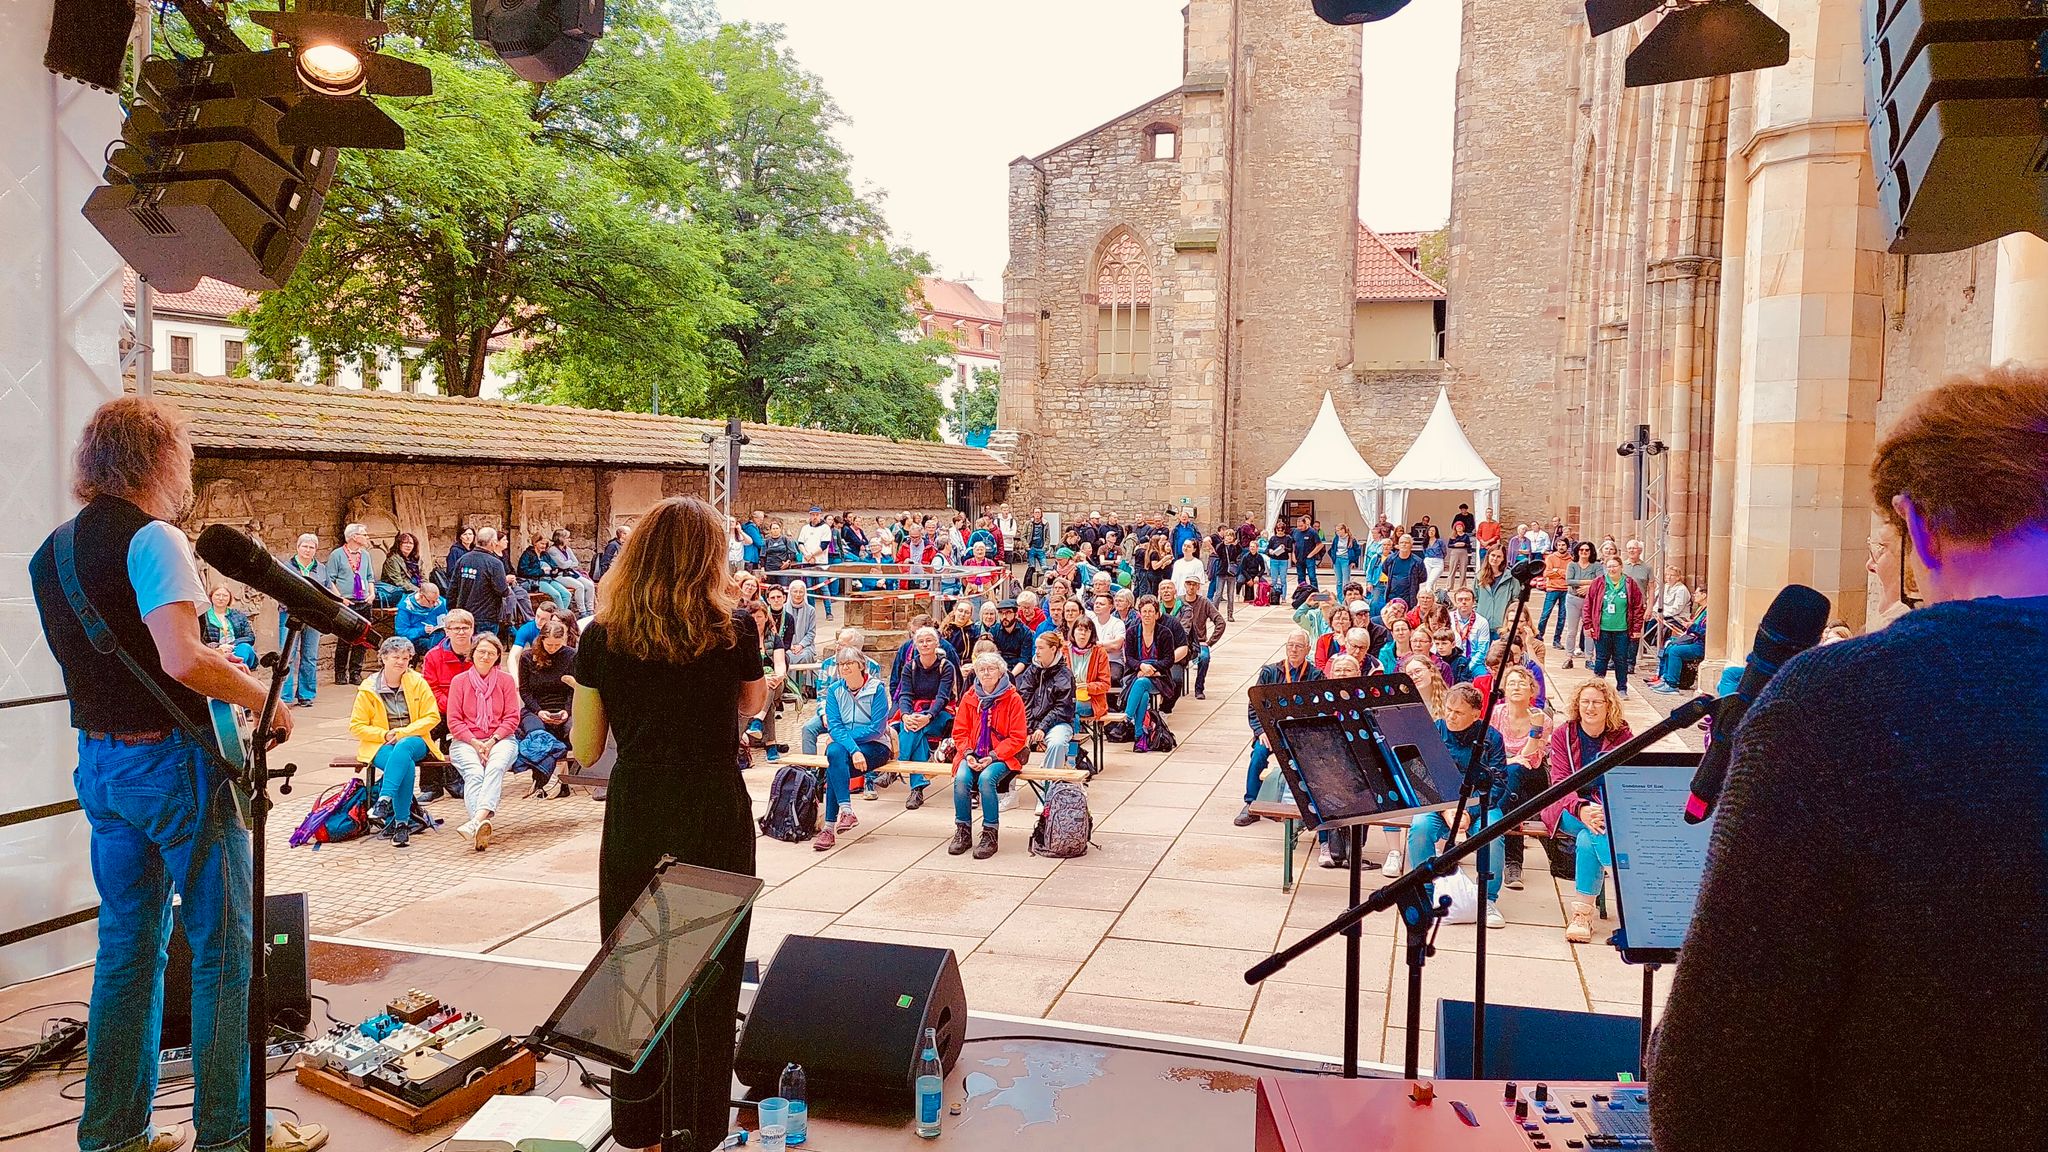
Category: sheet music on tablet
<point>1658,857</point>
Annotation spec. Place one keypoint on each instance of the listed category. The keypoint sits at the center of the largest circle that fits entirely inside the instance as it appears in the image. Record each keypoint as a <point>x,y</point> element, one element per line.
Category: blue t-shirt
<point>1305,541</point>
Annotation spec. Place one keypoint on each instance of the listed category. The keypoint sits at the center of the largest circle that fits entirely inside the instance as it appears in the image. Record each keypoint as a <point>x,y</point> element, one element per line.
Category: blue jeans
<point>916,747</point>
<point>1201,659</point>
<point>1035,557</point>
<point>397,769</point>
<point>1429,831</point>
<point>807,736</point>
<point>839,772</point>
<point>1343,570</point>
<point>553,590</point>
<point>163,820</point>
<point>1613,647</point>
<point>1552,600</point>
<point>304,668</point>
<point>1305,572</point>
<point>1276,571</point>
<point>1594,853</point>
<point>1059,746</point>
<point>1261,755</point>
<point>1677,654</point>
<point>246,653</point>
<point>1137,702</point>
<point>988,781</point>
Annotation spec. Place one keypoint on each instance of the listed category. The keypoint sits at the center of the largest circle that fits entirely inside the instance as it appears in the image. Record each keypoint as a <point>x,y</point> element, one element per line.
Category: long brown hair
<point>667,598</point>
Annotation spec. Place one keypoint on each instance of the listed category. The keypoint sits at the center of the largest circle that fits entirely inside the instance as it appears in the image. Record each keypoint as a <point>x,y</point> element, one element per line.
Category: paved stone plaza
<point>1151,931</point>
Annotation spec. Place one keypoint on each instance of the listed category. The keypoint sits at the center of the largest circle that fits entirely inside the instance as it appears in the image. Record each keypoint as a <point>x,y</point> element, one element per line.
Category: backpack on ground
<point>1263,598</point>
<point>1083,760</point>
<point>1158,737</point>
<point>1301,593</point>
<point>1118,730</point>
<point>792,815</point>
<point>341,813</point>
<point>1064,825</point>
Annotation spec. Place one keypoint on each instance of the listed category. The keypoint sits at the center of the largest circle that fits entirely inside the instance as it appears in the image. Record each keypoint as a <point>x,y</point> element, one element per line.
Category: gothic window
<point>1123,294</point>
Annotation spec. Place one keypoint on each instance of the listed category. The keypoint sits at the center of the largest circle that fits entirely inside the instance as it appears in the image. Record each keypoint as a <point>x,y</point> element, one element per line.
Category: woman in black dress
<point>668,669</point>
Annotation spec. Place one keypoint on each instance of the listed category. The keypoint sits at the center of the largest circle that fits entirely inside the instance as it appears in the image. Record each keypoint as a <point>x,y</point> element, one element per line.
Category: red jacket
<point>1011,726</point>
<point>441,666</point>
<point>1564,760</point>
<point>1597,588</point>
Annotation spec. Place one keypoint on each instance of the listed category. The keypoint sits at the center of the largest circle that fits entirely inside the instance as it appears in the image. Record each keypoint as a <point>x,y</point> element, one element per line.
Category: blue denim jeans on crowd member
<point>1305,573</point>
<point>1429,830</point>
<point>246,653</point>
<point>839,773</point>
<point>163,820</point>
<point>302,677</point>
<point>1035,558</point>
<point>1342,570</point>
<point>807,736</point>
<point>1676,655</point>
<point>1552,600</point>
<point>1201,659</point>
<point>987,781</point>
<point>1261,756</point>
<point>1276,571</point>
<point>1059,747</point>
<point>1613,647</point>
<point>553,590</point>
<point>916,747</point>
<point>398,767</point>
<point>1594,854</point>
<point>1138,696</point>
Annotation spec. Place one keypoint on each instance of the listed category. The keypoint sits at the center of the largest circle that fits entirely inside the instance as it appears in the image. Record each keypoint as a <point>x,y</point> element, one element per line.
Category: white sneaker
<point>1010,800</point>
<point>1493,917</point>
<point>1391,866</point>
<point>467,829</point>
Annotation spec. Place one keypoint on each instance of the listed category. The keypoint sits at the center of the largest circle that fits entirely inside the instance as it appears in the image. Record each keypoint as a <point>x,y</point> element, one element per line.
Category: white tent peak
<point>1326,461</point>
<point>1442,456</point>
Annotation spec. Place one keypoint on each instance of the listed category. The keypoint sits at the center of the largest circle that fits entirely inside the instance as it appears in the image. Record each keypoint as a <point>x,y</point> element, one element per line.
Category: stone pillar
<point>1191,301</point>
<point>1023,360</point>
<point>2019,308</point>
<point>1813,340</point>
<point>1728,382</point>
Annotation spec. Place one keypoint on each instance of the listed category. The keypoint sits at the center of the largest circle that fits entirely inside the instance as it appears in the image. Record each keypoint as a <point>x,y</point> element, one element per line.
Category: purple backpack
<point>341,813</point>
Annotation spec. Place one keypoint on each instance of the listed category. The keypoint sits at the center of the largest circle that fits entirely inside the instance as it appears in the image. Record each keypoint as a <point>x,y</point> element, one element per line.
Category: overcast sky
<point>940,95</point>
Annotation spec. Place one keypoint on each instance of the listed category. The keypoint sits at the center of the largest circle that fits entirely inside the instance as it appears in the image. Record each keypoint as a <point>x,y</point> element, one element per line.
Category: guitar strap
<point>103,641</point>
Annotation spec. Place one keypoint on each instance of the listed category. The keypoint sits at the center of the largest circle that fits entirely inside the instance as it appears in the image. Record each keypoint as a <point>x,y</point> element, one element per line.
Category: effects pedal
<point>176,1063</point>
<point>414,1006</point>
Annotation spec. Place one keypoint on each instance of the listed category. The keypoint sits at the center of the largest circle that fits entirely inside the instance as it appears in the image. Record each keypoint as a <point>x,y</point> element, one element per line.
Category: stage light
<point>1356,11</point>
<point>331,69</point>
<point>334,69</point>
<point>540,40</point>
<point>1605,16</point>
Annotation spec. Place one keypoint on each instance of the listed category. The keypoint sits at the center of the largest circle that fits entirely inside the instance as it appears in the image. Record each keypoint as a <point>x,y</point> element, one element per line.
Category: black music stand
<point>260,776</point>
<point>1357,752</point>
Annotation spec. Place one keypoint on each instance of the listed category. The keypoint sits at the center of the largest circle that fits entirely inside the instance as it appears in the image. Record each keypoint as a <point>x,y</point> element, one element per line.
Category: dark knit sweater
<point>1865,969</point>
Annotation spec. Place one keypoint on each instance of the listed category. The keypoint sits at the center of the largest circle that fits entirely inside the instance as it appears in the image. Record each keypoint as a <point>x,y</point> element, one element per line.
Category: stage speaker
<point>290,987</point>
<point>1539,1043</point>
<point>89,39</point>
<point>853,1013</point>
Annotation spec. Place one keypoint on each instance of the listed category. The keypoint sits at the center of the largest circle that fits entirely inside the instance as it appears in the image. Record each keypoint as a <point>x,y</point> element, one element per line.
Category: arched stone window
<point>1123,298</point>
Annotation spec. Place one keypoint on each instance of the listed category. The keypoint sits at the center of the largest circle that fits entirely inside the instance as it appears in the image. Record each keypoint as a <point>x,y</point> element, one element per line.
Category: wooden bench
<point>940,769</point>
<point>1289,817</point>
<point>570,769</point>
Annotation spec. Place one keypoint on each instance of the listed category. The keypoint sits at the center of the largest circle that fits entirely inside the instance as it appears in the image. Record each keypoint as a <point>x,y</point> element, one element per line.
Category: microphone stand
<point>1474,775</point>
<point>1408,890</point>
<point>260,776</point>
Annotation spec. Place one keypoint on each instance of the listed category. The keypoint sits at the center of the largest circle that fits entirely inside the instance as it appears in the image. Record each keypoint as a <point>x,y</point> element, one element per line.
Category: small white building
<point>952,308</point>
<point>195,332</point>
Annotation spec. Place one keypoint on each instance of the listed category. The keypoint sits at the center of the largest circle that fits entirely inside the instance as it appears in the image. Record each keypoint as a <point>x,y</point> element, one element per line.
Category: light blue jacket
<point>854,718</point>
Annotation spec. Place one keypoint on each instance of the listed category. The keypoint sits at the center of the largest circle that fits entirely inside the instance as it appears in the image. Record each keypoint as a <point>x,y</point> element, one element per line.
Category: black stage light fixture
<point>545,40</point>
<point>1714,38</point>
<point>1605,16</point>
<point>89,39</point>
<point>330,62</point>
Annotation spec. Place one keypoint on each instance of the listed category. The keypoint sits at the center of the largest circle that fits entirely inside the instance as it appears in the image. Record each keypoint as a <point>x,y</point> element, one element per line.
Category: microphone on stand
<point>240,558</point>
<point>1792,624</point>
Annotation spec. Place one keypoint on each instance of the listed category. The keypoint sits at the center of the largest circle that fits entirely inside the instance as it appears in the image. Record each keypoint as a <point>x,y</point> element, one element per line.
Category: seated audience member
<point>798,624</point>
<point>1328,644</point>
<point>570,574</point>
<point>1088,662</point>
<point>959,632</point>
<point>483,720</point>
<point>925,686</point>
<point>227,628</point>
<point>1688,646</point>
<point>1294,667</point>
<point>1524,729</point>
<point>464,541</point>
<point>856,712</point>
<point>420,615</point>
<point>1109,632</point>
<point>989,730</point>
<point>1451,662</point>
<point>1153,644</point>
<point>1674,600</point>
<point>1031,614</point>
<point>747,588</point>
<point>524,636</point>
<point>1459,730</point>
<point>539,573</point>
<point>760,729</point>
<point>1395,652</point>
<point>1047,686</point>
<point>1359,646</point>
<point>1012,637</point>
<point>1592,726</point>
<point>545,688</point>
<point>828,670</point>
<point>441,665</point>
<point>1204,625</point>
<point>401,575</point>
<point>393,721</point>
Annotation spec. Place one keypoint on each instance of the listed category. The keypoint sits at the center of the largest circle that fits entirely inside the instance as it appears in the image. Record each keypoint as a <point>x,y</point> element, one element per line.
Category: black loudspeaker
<point>853,1013</point>
<point>89,39</point>
<point>290,988</point>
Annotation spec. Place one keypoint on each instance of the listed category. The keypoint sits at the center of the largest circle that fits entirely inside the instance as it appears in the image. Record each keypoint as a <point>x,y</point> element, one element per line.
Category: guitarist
<point>163,815</point>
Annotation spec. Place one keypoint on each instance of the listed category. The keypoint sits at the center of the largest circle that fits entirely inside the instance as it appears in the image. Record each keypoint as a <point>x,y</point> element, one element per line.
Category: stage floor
<point>1061,1089</point>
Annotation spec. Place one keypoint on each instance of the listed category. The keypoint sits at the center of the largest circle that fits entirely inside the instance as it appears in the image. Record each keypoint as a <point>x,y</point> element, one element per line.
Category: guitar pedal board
<point>417,1050</point>
<point>430,1073</point>
<point>1575,1117</point>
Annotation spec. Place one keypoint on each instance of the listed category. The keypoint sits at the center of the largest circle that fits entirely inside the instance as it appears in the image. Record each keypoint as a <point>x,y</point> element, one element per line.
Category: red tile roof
<point>957,300</point>
<point>1384,275</point>
<point>213,299</point>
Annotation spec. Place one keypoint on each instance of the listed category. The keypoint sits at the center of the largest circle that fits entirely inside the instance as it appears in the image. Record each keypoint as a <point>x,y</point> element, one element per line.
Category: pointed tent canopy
<point>1442,459</point>
<point>1326,461</point>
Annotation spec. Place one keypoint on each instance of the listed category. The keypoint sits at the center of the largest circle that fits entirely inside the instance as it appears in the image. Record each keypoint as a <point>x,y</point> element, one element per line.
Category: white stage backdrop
<point>60,324</point>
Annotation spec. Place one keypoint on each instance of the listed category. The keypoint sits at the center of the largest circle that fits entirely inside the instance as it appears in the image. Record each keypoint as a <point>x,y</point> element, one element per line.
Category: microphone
<point>240,558</point>
<point>1791,625</point>
<point>1528,570</point>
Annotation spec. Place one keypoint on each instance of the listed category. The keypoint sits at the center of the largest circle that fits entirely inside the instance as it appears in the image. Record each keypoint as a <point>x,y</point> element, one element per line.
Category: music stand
<point>1659,860</point>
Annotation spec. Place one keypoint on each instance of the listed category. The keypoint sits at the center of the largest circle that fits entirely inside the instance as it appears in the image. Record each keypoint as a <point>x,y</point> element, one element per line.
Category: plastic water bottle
<point>931,1086</point>
<point>792,1090</point>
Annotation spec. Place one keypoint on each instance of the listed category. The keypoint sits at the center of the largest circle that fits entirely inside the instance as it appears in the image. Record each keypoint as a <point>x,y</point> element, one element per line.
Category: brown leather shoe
<point>963,839</point>
<point>987,847</point>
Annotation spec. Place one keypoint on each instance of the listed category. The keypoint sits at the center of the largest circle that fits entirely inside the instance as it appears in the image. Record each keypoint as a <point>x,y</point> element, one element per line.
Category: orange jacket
<point>1097,677</point>
<point>1011,726</point>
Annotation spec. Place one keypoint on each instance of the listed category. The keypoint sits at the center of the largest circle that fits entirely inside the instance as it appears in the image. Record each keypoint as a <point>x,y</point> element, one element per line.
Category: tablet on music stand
<point>1659,859</point>
<point>1352,771</point>
<point>649,965</point>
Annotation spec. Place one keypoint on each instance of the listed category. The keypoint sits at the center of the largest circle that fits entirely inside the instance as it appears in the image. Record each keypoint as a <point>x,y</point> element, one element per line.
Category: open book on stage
<point>535,1124</point>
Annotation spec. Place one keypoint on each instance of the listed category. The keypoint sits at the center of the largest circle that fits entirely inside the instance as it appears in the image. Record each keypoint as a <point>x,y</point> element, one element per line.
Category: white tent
<point>1326,461</point>
<point>1442,462</point>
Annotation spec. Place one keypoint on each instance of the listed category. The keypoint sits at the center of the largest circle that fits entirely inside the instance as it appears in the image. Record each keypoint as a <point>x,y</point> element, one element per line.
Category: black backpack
<point>1301,593</point>
<point>1158,737</point>
<point>1117,730</point>
<point>792,814</point>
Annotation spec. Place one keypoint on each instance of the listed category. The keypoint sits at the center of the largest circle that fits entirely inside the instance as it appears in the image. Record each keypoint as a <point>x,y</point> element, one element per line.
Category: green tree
<point>1433,254</point>
<point>974,405</point>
